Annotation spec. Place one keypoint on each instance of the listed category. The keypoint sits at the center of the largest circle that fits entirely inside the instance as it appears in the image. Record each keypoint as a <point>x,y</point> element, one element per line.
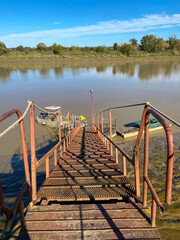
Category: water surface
<point>114,85</point>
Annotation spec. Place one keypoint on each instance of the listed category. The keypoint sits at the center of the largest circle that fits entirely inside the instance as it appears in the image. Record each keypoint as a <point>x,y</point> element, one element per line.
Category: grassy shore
<point>83,56</point>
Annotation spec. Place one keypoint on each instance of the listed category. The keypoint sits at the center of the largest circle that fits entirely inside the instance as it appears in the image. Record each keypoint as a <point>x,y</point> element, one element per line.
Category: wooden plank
<point>96,234</point>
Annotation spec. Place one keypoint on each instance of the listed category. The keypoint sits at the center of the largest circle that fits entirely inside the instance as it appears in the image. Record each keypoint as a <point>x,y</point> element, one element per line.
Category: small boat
<point>51,119</point>
<point>133,128</point>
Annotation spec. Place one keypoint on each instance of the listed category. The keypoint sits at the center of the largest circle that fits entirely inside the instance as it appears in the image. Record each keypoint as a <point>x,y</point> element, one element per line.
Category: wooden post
<point>146,154</point>
<point>110,131</point>
<point>73,121</point>
<point>33,152</point>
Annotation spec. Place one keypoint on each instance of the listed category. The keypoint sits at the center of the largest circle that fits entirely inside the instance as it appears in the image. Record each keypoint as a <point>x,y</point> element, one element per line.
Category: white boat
<point>51,119</point>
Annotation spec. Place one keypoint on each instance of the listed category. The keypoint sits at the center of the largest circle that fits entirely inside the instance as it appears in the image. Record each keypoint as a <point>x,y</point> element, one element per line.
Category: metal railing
<point>148,109</point>
<point>31,184</point>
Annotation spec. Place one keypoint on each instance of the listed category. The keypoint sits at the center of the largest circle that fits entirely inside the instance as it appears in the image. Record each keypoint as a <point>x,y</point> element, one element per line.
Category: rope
<point>43,110</point>
<point>166,116</point>
<point>130,105</point>
<point>16,122</point>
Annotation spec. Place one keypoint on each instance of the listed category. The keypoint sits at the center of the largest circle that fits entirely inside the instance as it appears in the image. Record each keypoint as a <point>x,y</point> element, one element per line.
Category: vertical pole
<point>124,165</point>
<point>110,131</point>
<point>25,157</point>
<point>102,127</point>
<point>98,123</point>
<point>137,176</point>
<point>64,144</point>
<point>55,157</point>
<point>33,151</point>
<point>146,154</point>
<point>21,214</point>
<point>153,213</point>
<point>60,133</point>
<point>73,121</point>
<point>91,91</point>
<point>116,151</point>
<point>68,124</point>
<point>2,204</point>
<point>47,167</point>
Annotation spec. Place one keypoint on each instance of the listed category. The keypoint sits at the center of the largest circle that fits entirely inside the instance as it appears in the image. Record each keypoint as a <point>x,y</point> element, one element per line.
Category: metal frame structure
<point>135,159</point>
<point>31,184</point>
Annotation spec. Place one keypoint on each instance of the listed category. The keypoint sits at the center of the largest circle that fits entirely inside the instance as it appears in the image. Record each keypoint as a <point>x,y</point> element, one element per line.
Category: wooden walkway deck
<point>87,197</point>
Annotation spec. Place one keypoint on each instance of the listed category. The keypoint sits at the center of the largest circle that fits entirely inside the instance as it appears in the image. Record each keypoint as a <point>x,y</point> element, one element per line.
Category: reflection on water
<point>144,70</point>
<point>68,85</point>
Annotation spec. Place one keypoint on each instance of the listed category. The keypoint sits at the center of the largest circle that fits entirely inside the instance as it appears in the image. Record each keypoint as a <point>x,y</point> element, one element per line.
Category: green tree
<point>126,49</point>
<point>151,43</point>
<point>133,41</point>
<point>41,46</point>
<point>3,48</point>
<point>73,48</point>
<point>100,49</point>
<point>57,49</point>
<point>20,48</point>
<point>115,46</point>
<point>172,40</point>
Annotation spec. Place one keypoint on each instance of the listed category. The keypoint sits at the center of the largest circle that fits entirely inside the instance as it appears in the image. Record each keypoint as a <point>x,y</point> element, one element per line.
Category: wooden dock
<point>86,196</point>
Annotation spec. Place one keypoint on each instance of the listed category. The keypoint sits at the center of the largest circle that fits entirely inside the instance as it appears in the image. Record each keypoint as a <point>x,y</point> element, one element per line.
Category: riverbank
<point>50,59</point>
<point>84,57</point>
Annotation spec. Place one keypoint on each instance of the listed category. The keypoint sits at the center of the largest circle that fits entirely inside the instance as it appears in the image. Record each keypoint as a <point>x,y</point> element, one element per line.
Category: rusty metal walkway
<point>86,196</point>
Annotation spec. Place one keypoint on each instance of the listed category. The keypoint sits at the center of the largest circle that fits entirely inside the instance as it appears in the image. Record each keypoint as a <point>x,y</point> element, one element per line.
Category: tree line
<point>148,43</point>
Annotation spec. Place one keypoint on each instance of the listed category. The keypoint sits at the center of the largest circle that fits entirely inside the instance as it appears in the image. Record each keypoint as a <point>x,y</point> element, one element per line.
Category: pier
<point>87,194</point>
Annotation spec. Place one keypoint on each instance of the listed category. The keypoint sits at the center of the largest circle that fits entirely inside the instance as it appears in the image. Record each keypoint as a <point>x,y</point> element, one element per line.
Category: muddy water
<point>113,84</point>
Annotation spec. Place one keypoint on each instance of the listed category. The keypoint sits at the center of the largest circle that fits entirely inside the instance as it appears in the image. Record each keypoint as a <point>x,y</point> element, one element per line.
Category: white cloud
<point>147,22</point>
<point>57,23</point>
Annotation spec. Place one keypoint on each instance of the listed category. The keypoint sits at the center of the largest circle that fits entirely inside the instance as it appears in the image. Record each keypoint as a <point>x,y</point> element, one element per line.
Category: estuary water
<point>114,84</point>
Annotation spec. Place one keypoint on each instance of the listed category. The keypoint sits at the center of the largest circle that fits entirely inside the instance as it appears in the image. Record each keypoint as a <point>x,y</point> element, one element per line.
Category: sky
<point>86,22</point>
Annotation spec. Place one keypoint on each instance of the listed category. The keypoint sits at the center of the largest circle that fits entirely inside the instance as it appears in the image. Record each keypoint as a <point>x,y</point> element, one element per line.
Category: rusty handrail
<point>170,151</point>
<point>23,142</point>
<point>135,161</point>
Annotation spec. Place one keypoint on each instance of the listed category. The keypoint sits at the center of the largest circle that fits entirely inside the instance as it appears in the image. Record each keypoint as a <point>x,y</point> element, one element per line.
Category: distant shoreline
<point>4,60</point>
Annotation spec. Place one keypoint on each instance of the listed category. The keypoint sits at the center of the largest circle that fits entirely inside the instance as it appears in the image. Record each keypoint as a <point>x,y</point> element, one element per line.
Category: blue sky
<point>86,23</point>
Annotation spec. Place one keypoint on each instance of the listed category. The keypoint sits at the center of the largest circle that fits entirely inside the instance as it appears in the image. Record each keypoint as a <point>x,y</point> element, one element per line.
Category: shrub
<point>3,48</point>
<point>115,46</point>
<point>57,49</point>
<point>73,48</point>
<point>41,47</point>
<point>133,41</point>
<point>126,49</point>
<point>173,41</point>
<point>20,48</point>
<point>100,49</point>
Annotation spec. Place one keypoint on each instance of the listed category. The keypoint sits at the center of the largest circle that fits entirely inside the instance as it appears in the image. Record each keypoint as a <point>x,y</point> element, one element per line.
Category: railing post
<point>59,122</point>
<point>47,167</point>
<point>116,152</point>
<point>102,126</point>
<point>33,152</point>
<point>68,124</point>
<point>124,165</point>
<point>153,213</point>
<point>73,121</point>
<point>55,157</point>
<point>110,131</point>
<point>146,154</point>
<point>21,214</point>
<point>137,176</point>
<point>98,123</point>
